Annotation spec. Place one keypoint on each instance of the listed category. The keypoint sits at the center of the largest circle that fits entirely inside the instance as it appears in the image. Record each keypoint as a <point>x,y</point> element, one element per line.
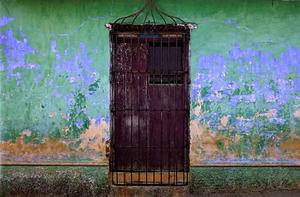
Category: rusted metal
<point>150,6</point>
<point>144,178</point>
<point>149,105</point>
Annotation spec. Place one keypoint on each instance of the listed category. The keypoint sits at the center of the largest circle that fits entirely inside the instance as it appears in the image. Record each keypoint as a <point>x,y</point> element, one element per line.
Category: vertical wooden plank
<point>120,93</point>
<point>143,92</point>
<point>155,128</point>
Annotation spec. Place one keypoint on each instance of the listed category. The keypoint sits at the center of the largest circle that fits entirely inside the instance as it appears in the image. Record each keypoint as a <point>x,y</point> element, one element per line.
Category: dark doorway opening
<point>150,81</point>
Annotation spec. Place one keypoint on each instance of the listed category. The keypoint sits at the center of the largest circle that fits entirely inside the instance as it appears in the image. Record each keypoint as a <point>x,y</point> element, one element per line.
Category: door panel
<point>149,111</point>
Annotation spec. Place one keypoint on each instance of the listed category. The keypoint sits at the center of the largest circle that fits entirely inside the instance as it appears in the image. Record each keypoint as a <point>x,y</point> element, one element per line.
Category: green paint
<point>82,42</point>
<point>220,144</point>
<point>78,114</point>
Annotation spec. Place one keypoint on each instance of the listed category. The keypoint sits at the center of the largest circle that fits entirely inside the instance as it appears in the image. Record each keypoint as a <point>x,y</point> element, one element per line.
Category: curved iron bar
<point>151,4</point>
<point>172,17</point>
<point>145,17</point>
<point>148,2</point>
<point>135,14</point>
<point>152,13</point>
<point>162,17</point>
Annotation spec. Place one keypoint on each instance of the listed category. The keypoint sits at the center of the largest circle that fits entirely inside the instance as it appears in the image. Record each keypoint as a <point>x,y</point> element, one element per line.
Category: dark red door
<point>149,108</point>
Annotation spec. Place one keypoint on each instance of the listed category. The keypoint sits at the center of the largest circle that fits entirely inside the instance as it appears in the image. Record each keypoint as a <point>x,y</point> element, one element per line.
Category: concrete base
<point>148,191</point>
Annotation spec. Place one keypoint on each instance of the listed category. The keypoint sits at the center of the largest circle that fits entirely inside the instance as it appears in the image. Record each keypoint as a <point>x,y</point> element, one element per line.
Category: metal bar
<point>146,16</point>
<point>169,143</point>
<point>155,67</point>
<point>186,58</point>
<point>162,17</point>
<point>139,113</point>
<point>131,101</point>
<point>152,14</point>
<point>173,113</point>
<point>159,11</point>
<point>161,124</point>
<point>148,114</point>
<point>172,17</point>
<point>144,180</point>
<point>182,65</point>
<point>115,151</point>
<point>183,126</point>
<point>124,113</point>
<point>175,139</point>
<point>113,98</point>
<point>135,14</point>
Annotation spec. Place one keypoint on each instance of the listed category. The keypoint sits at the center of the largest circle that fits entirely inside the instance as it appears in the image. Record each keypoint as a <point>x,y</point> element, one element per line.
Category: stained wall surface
<point>245,83</point>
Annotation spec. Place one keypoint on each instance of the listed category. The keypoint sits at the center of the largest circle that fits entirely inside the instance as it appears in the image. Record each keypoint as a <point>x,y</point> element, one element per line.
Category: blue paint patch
<point>79,124</point>
<point>21,32</point>
<point>149,35</point>
<point>5,19</point>
<point>228,22</point>
<point>15,53</point>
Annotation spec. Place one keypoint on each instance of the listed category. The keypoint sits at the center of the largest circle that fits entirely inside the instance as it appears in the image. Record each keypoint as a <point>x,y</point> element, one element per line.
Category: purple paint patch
<point>5,19</point>
<point>37,77</point>
<point>97,122</point>
<point>21,32</point>
<point>53,46</point>
<point>35,158</point>
<point>57,94</point>
<point>217,75</point>
<point>15,52</point>
<point>79,124</point>
<point>228,22</point>
<point>19,82</point>
<point>76,66</point>
<point>2,68</point>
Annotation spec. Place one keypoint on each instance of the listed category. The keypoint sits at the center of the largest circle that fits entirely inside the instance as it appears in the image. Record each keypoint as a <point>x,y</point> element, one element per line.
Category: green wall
<point>245,65</point>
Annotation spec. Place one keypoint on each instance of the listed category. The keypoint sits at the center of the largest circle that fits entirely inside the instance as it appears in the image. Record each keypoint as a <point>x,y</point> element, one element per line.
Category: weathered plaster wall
<point>54,72</point>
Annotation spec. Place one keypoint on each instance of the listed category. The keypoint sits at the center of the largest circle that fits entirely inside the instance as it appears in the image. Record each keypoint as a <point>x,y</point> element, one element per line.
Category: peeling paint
<point>54,93</point>
<point>94,137</point>
<point>91,148</point>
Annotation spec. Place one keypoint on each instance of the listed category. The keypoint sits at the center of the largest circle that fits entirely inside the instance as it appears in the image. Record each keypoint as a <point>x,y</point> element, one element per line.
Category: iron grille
<point>149,78</point>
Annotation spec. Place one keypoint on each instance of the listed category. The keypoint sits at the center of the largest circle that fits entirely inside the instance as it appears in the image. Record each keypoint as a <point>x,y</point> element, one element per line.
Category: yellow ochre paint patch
<point>52,150</point>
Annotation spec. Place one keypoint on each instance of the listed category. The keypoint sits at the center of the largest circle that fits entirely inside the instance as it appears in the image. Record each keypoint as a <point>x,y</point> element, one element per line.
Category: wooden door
<point>149,109</point>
